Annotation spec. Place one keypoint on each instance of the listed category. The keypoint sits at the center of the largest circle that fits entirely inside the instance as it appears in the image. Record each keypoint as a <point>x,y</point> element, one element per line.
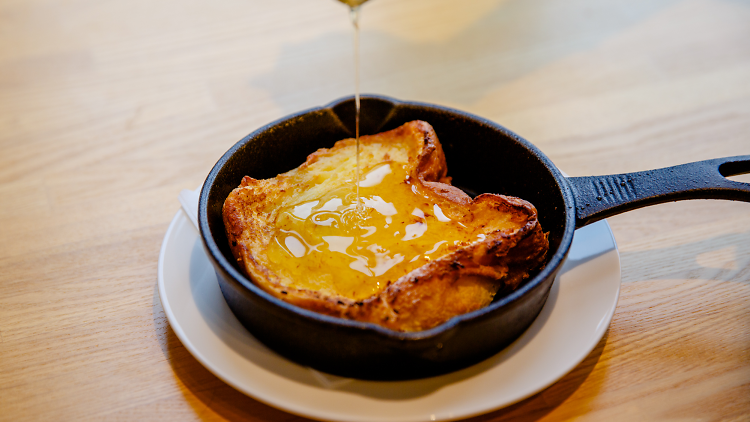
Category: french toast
<point>409,253</point>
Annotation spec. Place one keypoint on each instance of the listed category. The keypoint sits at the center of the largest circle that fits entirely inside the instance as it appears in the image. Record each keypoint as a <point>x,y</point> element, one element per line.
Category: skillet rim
<point>551,267</point>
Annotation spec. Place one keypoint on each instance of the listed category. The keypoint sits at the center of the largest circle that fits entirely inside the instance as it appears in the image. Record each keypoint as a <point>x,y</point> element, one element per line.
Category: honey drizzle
<point>323,244</point>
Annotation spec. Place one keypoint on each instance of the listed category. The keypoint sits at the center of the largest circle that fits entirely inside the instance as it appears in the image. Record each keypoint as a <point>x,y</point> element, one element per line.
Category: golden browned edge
<point>460,282</point>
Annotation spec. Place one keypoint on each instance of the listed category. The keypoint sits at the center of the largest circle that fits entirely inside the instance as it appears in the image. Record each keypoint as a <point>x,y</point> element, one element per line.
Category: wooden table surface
<point>109,108</point>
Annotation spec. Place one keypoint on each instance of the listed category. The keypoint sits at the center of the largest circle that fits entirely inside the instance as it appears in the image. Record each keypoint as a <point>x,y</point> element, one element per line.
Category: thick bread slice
<point>511,242</point>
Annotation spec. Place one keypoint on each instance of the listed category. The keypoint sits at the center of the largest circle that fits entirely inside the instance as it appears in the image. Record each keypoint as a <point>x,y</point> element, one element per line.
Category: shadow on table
<point>720,258</point>
<point>209,396</point>
<point>513,39</point>
<point>541,404</point>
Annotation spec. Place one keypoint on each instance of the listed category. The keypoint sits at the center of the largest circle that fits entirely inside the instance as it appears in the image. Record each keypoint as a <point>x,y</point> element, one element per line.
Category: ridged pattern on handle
<point>614,189</point>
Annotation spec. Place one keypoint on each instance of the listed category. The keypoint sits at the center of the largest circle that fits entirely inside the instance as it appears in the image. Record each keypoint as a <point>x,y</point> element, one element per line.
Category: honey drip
<point>324,244</point>
<point>354,14</point>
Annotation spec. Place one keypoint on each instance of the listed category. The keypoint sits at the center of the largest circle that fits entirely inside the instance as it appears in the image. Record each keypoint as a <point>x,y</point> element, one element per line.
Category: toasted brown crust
<point>464,280</point>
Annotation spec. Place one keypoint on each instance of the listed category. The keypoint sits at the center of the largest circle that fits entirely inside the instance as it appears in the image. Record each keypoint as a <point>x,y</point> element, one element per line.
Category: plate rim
<point>329,415</point>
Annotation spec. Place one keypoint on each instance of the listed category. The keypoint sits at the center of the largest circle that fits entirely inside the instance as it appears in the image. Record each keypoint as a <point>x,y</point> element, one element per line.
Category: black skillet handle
<point>599,197</point>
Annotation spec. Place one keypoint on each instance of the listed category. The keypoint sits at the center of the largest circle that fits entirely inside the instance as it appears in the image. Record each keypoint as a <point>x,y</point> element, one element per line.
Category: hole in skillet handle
<point>736,171</point>
<point>481,155</point>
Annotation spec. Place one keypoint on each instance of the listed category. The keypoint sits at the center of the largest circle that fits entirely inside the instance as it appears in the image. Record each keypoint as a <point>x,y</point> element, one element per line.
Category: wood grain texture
<point>109,108</point>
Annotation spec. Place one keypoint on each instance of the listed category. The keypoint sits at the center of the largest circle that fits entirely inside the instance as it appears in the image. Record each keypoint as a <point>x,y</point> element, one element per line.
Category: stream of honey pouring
<point>354,14</point>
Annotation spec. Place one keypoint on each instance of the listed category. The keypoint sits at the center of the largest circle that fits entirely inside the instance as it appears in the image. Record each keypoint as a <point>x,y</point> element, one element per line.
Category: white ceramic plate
<point>577,314</point>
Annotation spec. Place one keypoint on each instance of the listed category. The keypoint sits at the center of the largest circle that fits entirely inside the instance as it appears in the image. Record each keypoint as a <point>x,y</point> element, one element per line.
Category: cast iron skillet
<point>482,157</point>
